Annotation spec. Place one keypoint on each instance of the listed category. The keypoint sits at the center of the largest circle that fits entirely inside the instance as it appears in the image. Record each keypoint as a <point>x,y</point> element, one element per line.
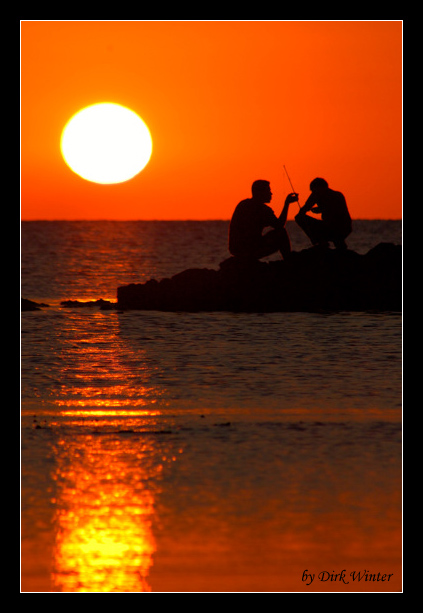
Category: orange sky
<point>226,102</point>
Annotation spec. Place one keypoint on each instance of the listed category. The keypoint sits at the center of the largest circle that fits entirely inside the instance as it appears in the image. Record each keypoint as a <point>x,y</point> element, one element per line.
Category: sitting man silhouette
<point>251,216</point>
<point>335,224</point>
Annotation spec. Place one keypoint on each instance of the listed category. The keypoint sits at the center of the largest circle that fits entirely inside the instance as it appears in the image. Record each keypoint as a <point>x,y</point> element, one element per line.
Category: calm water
<point>201,452</point>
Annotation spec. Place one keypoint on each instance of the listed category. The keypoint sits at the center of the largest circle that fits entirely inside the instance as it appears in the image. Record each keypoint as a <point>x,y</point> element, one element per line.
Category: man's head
<point>318,185</point>
<point>261,190</point>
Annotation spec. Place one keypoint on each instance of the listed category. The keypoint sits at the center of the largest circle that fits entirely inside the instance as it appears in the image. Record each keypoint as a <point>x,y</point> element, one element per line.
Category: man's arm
<point>288,200</point>
<point>310,202</point>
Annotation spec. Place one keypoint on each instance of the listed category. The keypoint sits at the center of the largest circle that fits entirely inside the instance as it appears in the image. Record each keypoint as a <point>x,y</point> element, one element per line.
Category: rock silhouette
<point>30,305</point>
<point>311,280</point>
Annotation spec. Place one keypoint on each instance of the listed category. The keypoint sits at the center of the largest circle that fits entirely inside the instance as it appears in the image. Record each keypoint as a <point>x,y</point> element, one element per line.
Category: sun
<point>106,143</point>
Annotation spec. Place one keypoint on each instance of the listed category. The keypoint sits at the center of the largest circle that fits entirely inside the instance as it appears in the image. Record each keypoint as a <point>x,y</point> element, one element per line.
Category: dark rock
<point>29,305</point>
<point>191,290</point>
<point>314,279</point>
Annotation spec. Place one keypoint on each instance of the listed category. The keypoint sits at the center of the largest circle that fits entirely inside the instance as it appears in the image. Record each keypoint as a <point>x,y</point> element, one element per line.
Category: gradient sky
<point>226,102</point>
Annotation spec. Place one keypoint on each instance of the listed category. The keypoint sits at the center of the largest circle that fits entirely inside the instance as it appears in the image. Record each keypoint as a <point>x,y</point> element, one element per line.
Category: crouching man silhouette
<point>335,223</point>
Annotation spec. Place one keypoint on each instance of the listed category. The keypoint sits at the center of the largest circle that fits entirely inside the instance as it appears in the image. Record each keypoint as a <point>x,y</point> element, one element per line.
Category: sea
<point>201,452</point>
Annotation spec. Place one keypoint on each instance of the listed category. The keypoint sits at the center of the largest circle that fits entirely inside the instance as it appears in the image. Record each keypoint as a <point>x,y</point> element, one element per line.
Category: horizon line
<point>192,219</point>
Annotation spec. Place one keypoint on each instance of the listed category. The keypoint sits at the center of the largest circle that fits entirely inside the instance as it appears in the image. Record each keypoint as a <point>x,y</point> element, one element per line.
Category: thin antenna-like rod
<point>290,182</point>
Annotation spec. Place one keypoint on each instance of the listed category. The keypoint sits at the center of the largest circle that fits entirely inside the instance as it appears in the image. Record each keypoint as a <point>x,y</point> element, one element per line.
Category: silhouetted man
<point>335,224</point>
<point>251,216</point>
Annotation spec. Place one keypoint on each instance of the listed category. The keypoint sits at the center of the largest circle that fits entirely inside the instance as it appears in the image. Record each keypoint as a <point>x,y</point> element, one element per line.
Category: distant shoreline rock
<point>104,305</point>
<point>313,279</point>
<point>30,305</point>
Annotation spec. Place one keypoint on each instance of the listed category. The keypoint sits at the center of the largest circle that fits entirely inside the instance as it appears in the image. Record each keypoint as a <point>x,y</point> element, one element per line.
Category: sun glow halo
<point>106,143</point>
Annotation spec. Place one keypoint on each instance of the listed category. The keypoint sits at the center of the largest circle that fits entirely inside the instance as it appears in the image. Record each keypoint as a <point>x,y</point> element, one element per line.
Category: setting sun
<point>322,97</point>
<point>106,143</point>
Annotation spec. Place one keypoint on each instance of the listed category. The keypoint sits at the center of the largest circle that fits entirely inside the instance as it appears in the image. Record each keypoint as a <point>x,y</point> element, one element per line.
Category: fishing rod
<point>292,187</point>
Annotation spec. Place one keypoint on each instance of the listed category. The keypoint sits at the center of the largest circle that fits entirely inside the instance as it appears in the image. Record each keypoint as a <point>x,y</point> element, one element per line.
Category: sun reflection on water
<point>108,413</point>
<point>104,512</point>
<point>101,369</point>
<point>107,468</point>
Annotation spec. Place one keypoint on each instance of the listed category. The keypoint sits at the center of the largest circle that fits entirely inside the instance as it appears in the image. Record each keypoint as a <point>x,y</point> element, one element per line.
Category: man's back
<point>247,224</point>
<point>334,208</point>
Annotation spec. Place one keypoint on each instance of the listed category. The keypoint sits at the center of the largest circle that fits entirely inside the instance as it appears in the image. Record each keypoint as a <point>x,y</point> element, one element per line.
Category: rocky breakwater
<point>313,279</point>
